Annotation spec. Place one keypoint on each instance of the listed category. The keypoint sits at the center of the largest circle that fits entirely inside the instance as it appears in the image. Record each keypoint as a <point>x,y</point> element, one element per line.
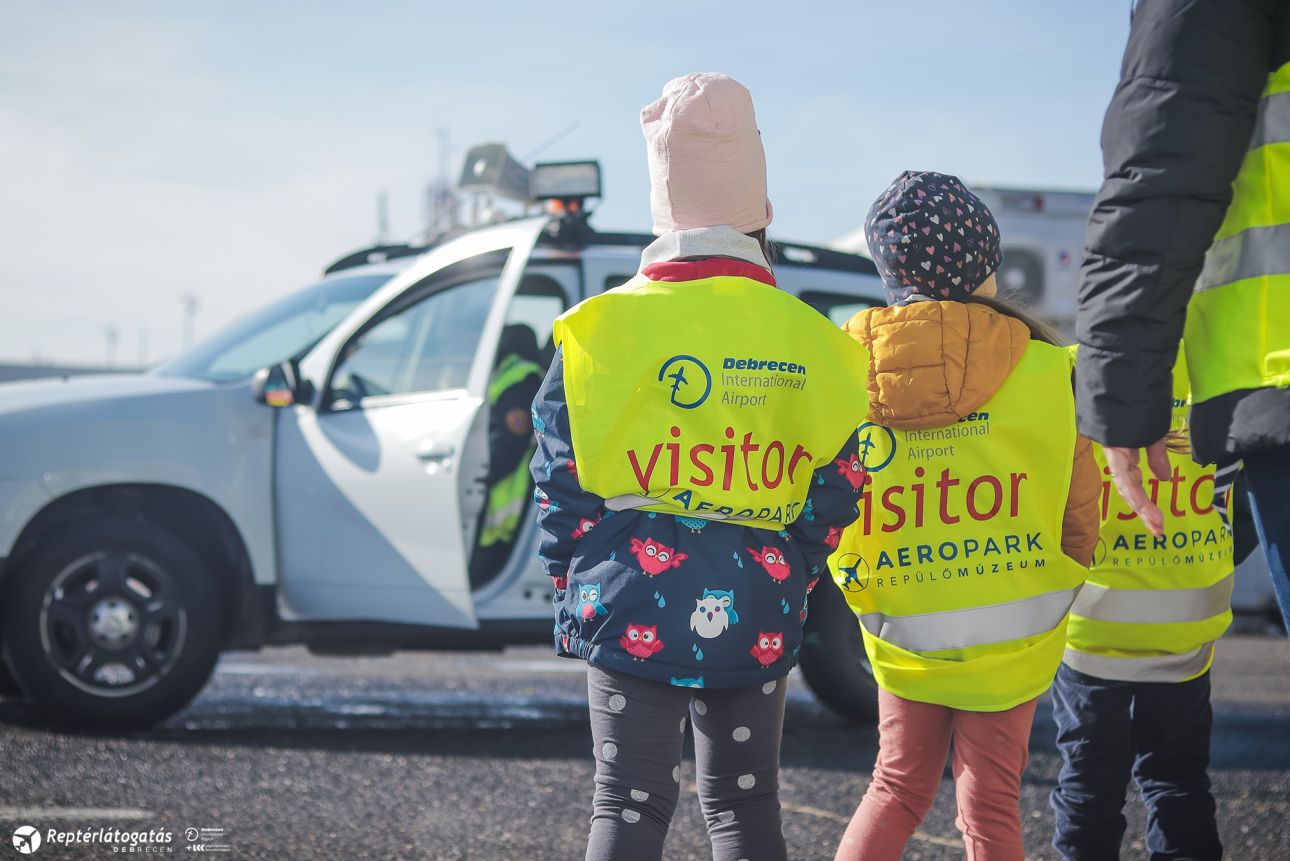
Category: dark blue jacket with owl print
<point>728,623</point>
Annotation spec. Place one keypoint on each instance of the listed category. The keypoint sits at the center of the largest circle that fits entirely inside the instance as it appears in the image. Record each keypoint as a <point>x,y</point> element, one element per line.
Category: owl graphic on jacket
<point>655,558</point>
<point>713,613</point>
<point>853,471</point>
<point>589,606</point>
<point>769,647</point>
<point>641,641</point>
<point>773,561</point>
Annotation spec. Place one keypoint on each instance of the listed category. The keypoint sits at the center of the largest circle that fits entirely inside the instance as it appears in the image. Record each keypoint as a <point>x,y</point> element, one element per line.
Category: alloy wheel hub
<point>113,623</point>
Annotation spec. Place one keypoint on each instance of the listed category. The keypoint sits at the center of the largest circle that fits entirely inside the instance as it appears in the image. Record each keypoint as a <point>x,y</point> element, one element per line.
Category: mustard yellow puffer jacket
<point>932,363</point>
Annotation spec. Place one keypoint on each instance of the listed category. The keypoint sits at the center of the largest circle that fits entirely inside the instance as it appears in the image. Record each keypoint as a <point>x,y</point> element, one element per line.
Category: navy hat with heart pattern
<point>929,236</point>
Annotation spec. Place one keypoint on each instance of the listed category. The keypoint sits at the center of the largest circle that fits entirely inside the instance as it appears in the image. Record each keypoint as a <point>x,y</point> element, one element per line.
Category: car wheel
<point>8,684</point>
<point>115,623</point>
<point>833,659</point>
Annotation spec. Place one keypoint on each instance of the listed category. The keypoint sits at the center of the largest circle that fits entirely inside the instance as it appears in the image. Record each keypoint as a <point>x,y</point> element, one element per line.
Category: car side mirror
<point>280,385</point>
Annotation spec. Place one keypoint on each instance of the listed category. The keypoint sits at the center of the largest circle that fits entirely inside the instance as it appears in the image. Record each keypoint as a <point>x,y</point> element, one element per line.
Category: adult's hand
<point>1126,472</point>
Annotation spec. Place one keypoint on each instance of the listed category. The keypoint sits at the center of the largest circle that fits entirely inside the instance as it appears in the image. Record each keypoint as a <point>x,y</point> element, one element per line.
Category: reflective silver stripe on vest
<point>1253,252</point>
<point>1150,606</point>
<point>511,510</point>
<point>1273,124</point>
<point>975,626</point>
<point>1157,668</point>
<point>630,501</point>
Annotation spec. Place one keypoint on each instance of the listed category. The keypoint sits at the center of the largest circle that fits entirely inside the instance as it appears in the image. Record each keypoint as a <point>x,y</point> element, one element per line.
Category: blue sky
<point>231,149</point>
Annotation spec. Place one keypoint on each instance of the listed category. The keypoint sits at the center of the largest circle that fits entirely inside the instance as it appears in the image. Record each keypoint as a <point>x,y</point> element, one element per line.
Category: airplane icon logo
<point>26,839</point>
<point>877,446</point>
<point>684,386</point>
<point>855,571</point>
<point>678,379</point>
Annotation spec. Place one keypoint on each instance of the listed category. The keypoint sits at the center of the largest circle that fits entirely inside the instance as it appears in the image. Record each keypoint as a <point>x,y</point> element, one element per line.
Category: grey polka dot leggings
<point>638,730</point>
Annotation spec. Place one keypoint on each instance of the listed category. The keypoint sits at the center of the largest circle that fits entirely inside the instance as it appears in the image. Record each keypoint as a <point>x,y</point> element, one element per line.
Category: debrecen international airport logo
<point>877,446</point>
<point>691,381</point>
<point>26,839</point>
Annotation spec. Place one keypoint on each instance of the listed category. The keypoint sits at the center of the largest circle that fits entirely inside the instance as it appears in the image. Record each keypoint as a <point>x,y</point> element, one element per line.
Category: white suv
<point>148,522</point>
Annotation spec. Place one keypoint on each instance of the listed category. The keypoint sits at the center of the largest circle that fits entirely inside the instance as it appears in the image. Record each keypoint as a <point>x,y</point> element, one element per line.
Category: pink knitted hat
<point>706,163</point>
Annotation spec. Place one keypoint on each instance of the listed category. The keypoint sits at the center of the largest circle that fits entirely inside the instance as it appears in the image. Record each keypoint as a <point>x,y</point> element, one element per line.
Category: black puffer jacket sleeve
<point>1173,138</point>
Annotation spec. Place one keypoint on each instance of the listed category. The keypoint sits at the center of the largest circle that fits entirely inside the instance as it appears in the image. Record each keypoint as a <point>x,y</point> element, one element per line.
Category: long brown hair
<point>1178,440</point>
<point>767,247</point>
<point>1012,307</point>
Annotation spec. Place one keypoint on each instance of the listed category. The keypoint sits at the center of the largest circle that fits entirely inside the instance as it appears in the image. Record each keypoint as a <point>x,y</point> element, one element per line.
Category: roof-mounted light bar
<point>565,181</point>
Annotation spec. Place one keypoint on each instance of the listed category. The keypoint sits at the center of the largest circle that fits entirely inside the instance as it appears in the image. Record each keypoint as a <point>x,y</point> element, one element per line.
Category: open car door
<point>378,482</point>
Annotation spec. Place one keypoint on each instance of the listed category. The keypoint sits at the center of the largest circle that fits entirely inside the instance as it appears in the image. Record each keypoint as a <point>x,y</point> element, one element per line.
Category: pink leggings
<point>990,754</point>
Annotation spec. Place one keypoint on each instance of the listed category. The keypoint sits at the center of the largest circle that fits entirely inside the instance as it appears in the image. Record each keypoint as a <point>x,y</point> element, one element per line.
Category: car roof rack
<point>792,253</point>
<point>565,187</point>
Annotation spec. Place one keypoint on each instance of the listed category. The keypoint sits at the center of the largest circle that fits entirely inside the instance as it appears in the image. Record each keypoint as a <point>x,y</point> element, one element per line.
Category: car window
<point>276,333</point>
<point>838,307</point>
<point>426,347</point>
<point>544,293</point>
<point>617,280</point>
<point>536,312</point>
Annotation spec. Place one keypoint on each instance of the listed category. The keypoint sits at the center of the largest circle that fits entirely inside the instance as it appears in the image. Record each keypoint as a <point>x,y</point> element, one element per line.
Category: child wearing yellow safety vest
<point>1132,694</point>
<point>978,519</point>
<point>690,488</point>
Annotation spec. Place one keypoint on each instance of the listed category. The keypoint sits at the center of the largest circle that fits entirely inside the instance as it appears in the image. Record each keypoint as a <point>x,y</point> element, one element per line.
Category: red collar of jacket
<point>707,267</point>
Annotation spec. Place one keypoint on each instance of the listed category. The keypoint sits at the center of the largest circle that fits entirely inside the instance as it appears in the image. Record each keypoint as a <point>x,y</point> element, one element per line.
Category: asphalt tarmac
<point>488,756</point>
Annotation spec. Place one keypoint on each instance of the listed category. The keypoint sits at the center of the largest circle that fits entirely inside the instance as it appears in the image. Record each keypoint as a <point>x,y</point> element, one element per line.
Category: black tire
<point>67,623</point>
<point>9,688</point>
<point>833,659</point>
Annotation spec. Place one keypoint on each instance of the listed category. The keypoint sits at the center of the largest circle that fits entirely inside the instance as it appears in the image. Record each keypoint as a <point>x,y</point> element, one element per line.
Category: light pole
<point>190,304</point>
<point>110,336</point>
<point>382,218</point>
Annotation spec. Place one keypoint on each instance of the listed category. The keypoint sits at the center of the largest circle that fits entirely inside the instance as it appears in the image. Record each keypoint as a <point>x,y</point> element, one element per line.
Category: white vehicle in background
<point>1042,233</point>
<point>1042,236</point>
<point>314,473</point>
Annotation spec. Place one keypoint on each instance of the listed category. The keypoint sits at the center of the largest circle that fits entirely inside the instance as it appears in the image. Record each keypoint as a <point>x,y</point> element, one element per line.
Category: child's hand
<point>1127,475</point>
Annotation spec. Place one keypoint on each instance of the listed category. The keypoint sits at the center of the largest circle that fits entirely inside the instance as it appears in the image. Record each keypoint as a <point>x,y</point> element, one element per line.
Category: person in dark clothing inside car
<point>1191,232</point>
<point>516,378</point>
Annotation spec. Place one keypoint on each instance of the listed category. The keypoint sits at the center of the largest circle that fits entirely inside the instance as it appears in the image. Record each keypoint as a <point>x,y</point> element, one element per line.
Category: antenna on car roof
<point>551,141</point>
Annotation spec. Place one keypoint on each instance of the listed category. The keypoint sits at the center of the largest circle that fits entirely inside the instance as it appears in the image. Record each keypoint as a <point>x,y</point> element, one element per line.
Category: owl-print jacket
<point>674,599</point>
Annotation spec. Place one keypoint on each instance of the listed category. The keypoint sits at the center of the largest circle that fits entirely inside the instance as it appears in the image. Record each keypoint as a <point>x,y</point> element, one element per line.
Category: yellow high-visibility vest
<point>508,498</point>
<point>1153,607</point>
<point>1238,320</point>
<point>955,567</point>
<point>716,398</point>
